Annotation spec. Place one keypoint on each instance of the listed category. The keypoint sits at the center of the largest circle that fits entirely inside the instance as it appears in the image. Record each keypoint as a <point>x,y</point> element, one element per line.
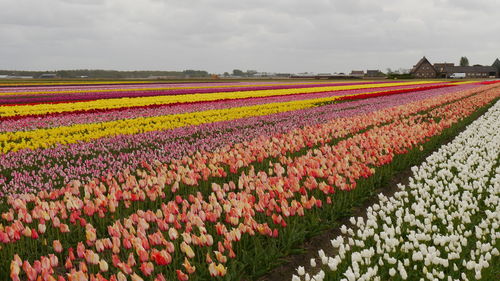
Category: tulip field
<point>444,223</point>
<point>222,180</point>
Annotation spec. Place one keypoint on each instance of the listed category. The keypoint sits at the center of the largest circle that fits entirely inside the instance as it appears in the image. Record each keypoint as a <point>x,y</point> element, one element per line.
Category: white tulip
<point>349,274</point>
<point>495,252</point>
<point>392,272</point>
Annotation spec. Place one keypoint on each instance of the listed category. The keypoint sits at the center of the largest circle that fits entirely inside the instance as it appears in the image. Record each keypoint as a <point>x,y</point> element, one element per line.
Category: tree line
<point>109,74</point>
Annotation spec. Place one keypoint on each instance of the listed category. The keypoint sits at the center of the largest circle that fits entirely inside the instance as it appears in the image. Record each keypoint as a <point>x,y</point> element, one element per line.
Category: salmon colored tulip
<point>160,277</point>
<point>135,277</point>
<point>57,246</point>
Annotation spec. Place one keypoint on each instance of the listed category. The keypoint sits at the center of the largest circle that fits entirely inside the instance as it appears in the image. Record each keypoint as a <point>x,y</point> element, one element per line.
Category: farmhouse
<point>496,65</point>
<point>424,69</point>
<point>374,73</point>
<point>48,75</point>
<point>440,67</point>
<point>357,73</point>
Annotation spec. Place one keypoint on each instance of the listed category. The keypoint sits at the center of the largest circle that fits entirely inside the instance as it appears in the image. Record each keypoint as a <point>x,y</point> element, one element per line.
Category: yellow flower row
<point>149,88</point>
<point>463,82</point>
<point>43,138</point>
<point>172,99</point>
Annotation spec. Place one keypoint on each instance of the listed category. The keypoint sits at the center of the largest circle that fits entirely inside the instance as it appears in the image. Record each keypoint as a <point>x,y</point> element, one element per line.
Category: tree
<point>237,72</point>
<point>464,61</point>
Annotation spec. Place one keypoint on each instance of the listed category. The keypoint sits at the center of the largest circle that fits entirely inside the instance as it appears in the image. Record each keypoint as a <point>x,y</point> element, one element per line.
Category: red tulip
<point>147,268</point>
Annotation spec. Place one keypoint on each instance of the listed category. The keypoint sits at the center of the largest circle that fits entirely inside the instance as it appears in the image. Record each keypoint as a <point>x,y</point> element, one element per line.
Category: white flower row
<point>443,225</point>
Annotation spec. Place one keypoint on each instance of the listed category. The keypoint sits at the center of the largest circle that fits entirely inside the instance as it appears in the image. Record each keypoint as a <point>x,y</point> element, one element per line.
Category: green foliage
<point>464,61</point>
<point>238,72</point>
<point>399,76</point>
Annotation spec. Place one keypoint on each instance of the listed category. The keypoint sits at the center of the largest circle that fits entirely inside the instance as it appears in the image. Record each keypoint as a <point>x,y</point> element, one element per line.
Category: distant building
<point>374,74</point>
<point>48,76</point>
<point>357,73</point>
<point>472,71</point>
<point>263,74</point>
<point>423,69</point>
<point>496,65</point>
<point>283,75</point>
<point>17,77</point>
<point>159,77</point>
<point>440,68</point>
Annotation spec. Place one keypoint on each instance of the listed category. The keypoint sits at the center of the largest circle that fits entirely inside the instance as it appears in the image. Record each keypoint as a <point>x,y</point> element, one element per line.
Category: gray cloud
<point>220,35</point>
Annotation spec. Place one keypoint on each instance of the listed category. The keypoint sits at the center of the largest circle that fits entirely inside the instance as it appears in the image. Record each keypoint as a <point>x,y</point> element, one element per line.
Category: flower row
<point>31,170</point>
<point>444,224</point>
<point>125,88</point>
<point>37,109</point>
<point>13,141</point>
<point>90,94</point>
<point>26,123</point>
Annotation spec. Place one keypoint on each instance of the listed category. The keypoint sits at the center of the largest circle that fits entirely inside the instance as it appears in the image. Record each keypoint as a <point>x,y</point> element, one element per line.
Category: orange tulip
<point>189,268</point>
<point>68,264</point>
<point>181,276</point>
<point>14,271</point>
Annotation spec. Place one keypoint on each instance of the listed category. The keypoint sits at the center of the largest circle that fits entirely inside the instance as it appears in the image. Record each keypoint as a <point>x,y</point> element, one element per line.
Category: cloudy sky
<point>265,35</point>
